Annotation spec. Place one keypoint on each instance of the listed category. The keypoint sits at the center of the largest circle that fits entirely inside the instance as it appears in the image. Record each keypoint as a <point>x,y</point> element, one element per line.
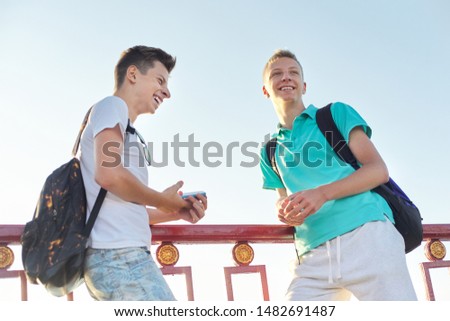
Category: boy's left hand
<point>196,212</point>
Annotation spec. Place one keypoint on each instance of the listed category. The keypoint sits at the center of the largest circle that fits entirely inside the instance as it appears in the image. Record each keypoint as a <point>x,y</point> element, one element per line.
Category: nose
<point>166,92</point>
<point>286,76</point>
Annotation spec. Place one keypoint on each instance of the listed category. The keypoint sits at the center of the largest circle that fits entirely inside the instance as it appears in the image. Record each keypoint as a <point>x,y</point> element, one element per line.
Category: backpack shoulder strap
<point>271,147</point>
<point>83,126</point>
<point>328,127</point>
<point>130,129</point>
<point>95,210</point>
<point>102,193</point>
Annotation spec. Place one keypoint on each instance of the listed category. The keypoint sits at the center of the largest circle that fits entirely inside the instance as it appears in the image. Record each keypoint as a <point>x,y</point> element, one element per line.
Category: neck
<point>132,111</point>
<point>288,112</point>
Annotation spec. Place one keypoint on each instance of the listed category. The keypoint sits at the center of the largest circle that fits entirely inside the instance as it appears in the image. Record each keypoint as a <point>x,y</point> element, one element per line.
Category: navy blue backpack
<point>408,220</point>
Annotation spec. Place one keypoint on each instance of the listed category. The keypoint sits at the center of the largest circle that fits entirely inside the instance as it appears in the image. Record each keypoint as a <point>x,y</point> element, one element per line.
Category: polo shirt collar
<point>310,112</point>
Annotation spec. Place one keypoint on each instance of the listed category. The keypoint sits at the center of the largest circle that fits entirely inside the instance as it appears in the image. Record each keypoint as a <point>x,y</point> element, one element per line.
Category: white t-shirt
<point>119,223</point>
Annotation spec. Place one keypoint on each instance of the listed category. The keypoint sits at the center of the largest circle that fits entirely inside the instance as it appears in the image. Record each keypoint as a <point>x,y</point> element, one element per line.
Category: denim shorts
<point>128,274</point>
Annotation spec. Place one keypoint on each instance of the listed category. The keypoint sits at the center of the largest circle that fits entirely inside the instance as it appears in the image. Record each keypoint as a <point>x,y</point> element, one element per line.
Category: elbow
<point>385,179</point>
<point>106,180</point>
<point>384,175</point>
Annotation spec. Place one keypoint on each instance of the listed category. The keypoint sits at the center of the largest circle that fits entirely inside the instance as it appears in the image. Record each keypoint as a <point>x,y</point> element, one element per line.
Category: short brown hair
<point>282,53</point>
<point>143,58</point>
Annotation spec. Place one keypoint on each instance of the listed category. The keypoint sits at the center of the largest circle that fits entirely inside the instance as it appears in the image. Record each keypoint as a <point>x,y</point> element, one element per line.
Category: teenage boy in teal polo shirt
<point>344,234</point>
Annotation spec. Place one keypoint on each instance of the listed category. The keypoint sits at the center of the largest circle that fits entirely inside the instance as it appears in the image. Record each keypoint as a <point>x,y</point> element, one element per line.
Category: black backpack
<point>54,241</point>
<point>408,220</point>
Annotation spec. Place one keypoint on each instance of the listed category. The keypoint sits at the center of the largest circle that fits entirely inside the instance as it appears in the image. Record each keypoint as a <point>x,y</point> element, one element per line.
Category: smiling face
<point>283,81</point>
<point>150,88</point>
<point>141,77</point>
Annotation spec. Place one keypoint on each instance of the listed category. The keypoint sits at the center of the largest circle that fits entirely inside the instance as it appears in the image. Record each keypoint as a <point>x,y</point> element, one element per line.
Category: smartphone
<point>194,194</point>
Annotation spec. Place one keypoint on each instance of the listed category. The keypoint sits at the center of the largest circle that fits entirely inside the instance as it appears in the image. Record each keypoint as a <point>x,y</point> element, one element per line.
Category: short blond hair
<point>282,53</point>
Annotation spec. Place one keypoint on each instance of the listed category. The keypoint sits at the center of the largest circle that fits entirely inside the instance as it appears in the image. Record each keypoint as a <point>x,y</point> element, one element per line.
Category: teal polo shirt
<point>305,161</point>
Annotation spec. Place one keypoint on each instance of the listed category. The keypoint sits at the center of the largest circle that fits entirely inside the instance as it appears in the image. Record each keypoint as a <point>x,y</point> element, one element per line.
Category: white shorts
<point>368,262</point>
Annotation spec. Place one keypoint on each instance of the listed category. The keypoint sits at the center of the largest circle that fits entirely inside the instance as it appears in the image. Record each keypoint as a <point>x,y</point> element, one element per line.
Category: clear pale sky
<point>388,59</point>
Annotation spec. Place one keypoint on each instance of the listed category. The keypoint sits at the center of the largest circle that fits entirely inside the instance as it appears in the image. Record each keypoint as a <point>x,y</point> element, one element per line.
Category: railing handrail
<point>223,233</point>
<point>433,234</point>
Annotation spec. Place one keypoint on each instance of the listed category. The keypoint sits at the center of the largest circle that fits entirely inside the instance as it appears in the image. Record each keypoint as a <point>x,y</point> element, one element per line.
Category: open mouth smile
<point>287,88</point>
<point>158,100</point>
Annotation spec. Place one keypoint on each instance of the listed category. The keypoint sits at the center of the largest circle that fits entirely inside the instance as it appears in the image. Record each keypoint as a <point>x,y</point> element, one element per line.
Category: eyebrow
<point>274,70</point>
<point>279,69</point>
<point>289,68</point>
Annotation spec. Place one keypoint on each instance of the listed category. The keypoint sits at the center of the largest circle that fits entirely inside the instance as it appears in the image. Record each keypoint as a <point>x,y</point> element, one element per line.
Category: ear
<point>304,88</point>
<point>131,74</point>
<point>265,92</point>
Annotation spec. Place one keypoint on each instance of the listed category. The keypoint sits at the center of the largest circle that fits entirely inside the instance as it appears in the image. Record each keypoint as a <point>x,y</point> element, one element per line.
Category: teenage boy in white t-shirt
<point>118,264</point>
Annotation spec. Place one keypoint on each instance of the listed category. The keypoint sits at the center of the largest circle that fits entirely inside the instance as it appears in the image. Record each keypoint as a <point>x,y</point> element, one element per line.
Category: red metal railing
<point>242,235</point>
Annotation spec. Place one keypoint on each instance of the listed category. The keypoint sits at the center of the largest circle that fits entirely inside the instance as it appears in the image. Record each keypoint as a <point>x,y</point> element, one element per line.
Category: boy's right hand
<point>172,201</point>
<point>281,205</point>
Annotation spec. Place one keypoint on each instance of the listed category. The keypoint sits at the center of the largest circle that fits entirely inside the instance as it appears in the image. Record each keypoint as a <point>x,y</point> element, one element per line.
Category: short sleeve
<point>107,113</point>
<point>347,118</point>
<point>270,179</point>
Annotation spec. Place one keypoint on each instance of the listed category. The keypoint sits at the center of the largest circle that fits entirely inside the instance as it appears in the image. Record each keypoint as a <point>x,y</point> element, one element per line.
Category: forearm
<point>156,216</point>
<point>126,186</point>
